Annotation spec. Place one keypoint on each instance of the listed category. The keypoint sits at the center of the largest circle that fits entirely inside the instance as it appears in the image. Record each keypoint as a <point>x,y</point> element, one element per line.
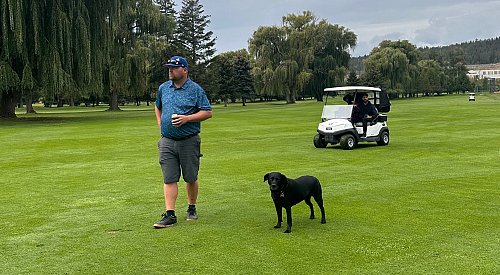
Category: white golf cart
<point>336,126</point>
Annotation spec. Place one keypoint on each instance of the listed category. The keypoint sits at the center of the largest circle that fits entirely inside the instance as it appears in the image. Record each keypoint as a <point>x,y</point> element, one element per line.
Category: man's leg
<point>171,172</point>
<point>192,192</point>
<point>170,191</point>
<point>190,164</point>
<point>365,125</point>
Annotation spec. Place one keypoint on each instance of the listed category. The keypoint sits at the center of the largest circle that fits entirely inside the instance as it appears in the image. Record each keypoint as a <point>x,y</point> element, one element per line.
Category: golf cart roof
<point>377,96</point>
<point>351,88</point>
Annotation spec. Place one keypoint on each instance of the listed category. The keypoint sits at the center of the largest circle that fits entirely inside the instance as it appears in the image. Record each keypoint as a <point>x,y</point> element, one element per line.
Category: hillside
<point>472,52</point>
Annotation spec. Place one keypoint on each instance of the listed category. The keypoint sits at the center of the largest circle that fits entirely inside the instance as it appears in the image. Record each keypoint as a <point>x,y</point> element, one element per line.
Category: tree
<point>456,72</point>
<point>73,49</point>
<point>431,77</point>
<point>132,25</point>
<point>300,55</point>
<point>230,76</point>
<point>393,66</point>
<point>352,79</point>
<point>197,42</point>
<point>27,87</point>
<point>243,82</point>
<point>12,55</point>
<point>9,84</point>
<point>331,57</point>
<point>267,47</point>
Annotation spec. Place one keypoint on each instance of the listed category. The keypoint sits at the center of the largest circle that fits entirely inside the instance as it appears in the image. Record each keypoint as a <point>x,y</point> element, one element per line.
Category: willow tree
<point>267,47</point>
<point>170,35</point>
<point>131,24</point>
<point>82,52</point>
<point>12,33</point>
<point>163,44</point>
<point>9,85</point>
<point>142,63</point>
<point>393,66</point>
<point>282,54</point>
<point>300,52</point>
<point>73,49</point>
<point>27,86</point>
<point>332,45</point>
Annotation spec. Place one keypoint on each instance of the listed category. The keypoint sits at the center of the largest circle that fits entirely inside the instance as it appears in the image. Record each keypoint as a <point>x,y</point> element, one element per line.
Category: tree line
<point>485,51</point>
<point>398,67</point>
<point>86,51</point>
<point>441,69</point>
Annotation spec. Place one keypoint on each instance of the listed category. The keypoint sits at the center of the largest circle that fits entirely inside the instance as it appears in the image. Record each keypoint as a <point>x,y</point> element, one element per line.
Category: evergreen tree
<point>173,45</point>
<point>197,42</point>
<point>352,79</point>
<point>166,7</point>
<point>242,77</point>
<point>236,82</point>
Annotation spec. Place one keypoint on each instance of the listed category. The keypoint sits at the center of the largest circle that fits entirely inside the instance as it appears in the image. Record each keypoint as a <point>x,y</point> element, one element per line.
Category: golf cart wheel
<point>319,141</point>
<point>384,138</point>
<point>347,142</point>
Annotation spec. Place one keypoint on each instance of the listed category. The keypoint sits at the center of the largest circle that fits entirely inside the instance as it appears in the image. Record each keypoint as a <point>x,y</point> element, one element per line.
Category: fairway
<point>81,189</point>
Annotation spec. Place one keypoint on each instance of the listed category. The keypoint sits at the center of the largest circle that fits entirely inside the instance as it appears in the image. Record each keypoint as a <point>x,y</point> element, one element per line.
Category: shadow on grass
<point>46,120</point>
<point>358,146</point>
<point>71,115</point>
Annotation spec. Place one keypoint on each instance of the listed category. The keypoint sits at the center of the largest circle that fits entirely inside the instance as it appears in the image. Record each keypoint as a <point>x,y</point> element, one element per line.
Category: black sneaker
<point>191,214</point>
<point>166,221</point>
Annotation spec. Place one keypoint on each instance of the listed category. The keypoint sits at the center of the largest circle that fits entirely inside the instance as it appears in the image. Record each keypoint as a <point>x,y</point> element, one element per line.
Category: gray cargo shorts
<point>177,155</point>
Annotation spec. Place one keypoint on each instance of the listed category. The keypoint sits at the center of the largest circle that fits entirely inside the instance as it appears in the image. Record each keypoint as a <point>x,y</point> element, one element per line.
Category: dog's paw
<point>288,231</point>
<point>323,221</point>
<point>277,226</point>
<point>311,217</point>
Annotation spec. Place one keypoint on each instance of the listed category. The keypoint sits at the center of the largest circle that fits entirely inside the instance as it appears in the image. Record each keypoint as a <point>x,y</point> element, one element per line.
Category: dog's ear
<point>266,176</point>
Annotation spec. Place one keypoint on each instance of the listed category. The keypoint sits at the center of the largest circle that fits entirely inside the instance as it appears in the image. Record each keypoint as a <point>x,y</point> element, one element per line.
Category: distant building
<point>480,71</point>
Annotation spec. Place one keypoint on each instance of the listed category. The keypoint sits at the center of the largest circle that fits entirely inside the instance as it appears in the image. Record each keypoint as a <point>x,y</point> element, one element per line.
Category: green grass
<point>81,188</point>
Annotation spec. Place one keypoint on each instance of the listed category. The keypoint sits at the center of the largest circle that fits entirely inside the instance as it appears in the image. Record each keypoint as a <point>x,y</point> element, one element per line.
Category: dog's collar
<point>282,194</point>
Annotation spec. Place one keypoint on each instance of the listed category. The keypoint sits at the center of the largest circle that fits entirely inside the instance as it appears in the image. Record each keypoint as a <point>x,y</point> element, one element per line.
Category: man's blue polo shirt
<point>186,100</point>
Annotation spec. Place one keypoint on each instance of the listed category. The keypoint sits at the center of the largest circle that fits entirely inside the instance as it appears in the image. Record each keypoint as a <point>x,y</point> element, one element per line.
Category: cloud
<point>465,22</point>
<point>423,22</point>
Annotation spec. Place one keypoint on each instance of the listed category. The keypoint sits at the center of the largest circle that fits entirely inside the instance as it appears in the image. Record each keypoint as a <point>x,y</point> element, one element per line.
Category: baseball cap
<point>176,61</point>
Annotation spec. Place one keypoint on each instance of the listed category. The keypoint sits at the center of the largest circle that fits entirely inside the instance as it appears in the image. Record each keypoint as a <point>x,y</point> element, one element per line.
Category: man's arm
<point>158,116</point>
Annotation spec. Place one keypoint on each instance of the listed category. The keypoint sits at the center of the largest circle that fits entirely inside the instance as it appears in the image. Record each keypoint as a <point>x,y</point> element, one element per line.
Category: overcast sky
<point>422,22</point>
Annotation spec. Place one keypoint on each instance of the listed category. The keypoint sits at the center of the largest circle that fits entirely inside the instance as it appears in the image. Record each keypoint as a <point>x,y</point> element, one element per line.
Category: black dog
<point>288,192</point>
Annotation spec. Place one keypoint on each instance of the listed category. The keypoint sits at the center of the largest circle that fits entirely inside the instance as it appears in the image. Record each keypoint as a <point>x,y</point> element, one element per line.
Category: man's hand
<point>180,120</point>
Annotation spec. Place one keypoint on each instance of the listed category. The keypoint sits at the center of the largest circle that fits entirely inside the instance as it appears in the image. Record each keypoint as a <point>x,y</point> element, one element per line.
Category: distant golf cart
<point>472,96</point>
<point>336,126</point>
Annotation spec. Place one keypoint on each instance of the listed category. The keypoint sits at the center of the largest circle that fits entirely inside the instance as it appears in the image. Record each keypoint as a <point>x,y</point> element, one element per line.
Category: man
<point>364,112</point>
<point>181,105</point>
